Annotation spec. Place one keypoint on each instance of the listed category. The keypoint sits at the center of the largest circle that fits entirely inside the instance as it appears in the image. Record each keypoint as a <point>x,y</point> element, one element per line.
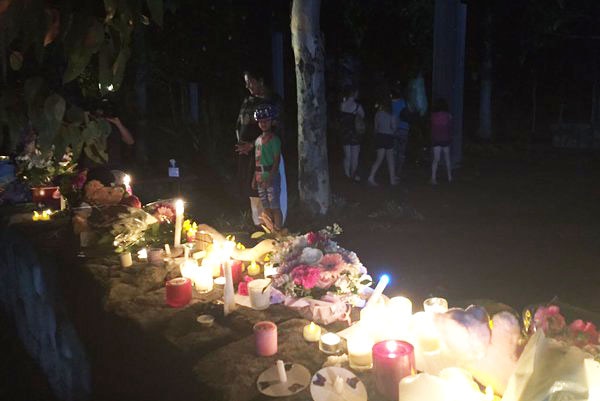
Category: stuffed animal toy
<point>95,193</point>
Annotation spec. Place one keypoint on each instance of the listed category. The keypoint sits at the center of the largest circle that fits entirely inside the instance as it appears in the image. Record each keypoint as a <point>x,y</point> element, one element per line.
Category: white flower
<point>311,256</point>
<point>344,283</point>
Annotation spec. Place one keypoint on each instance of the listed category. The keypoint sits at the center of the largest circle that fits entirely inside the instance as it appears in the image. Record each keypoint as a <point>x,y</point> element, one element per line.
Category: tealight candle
<point>330,343</point>
<point>435,305</point>
<point>36,216</point>
<point>392,361</point>
<point>220,280</point>
<point>253,269</point>
<point>311,332</point>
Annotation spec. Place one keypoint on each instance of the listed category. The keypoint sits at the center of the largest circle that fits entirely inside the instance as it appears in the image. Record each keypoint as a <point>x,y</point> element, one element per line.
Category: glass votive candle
<point>330,343</point>
<point>435,305</point>
<point>392,361</point>
<point>179,292</point>
<point>260,293</point>
<point>265,338</point>
<point>360,354</point>
<point>203,280</point>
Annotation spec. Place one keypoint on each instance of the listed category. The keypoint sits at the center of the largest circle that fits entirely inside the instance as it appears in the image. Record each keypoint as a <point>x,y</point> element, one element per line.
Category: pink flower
<point>583,333</point>
<point>306,276</point>
<point>80,179</point>
<point>243,285</point>
<point>332,262</point>
<point>165,214</point>
<point>549,320</point>
<point>326,279</point>
<point>312,238</point>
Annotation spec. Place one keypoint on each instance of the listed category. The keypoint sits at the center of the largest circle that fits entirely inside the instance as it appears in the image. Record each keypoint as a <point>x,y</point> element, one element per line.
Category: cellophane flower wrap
<point>313,265</point>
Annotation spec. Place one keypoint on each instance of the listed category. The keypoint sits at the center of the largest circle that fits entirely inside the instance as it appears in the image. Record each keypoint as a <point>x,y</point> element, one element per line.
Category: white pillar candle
<point>399,311</point>
<point>374,319</point>
<point>188,269</point>
<point>422,387</point>
<point>338,385</point>
<point>311,332</point>
<point>360,355</point>
<point>178,222</point>
<point>281,371</point>
<point>228,292</point>
<point>204,279</point>
<point>435,305</point>
<point>383,282</point>
<point>167,250</point>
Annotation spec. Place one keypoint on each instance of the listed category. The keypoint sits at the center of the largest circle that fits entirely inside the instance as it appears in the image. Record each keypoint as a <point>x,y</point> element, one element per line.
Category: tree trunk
<point>485,95</point>
<point>313,170</point>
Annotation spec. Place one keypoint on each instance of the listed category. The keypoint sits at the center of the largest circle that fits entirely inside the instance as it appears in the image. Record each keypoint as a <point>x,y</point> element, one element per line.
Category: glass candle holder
<point>392,361</point>
<point>435,305</point>
<point>360,356</point>
<point>265,338</point>
<point>330,343</point>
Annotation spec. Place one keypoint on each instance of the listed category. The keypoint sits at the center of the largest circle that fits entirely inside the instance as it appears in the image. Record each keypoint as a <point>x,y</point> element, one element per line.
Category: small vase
<point>125,258</point>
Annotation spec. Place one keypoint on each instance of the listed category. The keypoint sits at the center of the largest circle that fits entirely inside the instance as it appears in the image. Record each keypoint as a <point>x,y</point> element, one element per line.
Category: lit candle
<point>178,222</point>
<point>399,311</point>
<point>435,305</point>
<point>330,343</point>
<point>179,292</point>
<point>392,361</point>
<point>374,319</point>
<point>126,182</point>
<point>265,338</point>
<point>311,332</point>
<point>188,269</point>
<point>383,282</point>
<point>281,371</point>
<point>203,279</point>
<point>253,269</point>
<point>360,347</point>
<point>421,387</point>
<point>236,271</point>
<point>220,280</point>
<point>36,216</point>
<point>46,215</point>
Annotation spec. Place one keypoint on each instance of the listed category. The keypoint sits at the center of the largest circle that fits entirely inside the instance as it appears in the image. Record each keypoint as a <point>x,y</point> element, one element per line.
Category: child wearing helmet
<point>267,151</point>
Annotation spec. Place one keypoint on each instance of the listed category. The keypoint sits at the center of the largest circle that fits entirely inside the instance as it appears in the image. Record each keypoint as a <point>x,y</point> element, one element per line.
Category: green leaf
<point>78,60</point>
<point>156,10</point>
<point>54,107</point>
<point>16,60</point>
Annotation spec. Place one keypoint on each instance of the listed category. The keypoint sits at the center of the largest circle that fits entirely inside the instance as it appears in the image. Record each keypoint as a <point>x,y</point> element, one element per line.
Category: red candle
<point>179,292</point>
<point>392,361</point>
<point>236,271</point>
<point>265,338</point>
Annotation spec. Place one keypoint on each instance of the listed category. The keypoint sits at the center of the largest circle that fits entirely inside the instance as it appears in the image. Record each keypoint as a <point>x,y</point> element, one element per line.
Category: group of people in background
<point>391,127</point>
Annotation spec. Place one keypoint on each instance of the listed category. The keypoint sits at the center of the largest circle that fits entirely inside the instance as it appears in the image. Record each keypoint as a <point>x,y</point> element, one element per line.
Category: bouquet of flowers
<point>129,229</point>
<point>39,168</point>
<point>161,231</point>
<point>313,265</point>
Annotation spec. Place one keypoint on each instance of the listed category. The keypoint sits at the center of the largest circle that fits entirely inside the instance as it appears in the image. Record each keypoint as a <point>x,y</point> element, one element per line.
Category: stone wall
<point>30,295</point>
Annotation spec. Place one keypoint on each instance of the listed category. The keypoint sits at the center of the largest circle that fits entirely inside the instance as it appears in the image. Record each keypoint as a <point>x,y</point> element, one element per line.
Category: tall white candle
<point>338,385</point>
<point>281,371</point>
<point>383,282</point>
<point>228,292</point>
<point>178,222</point>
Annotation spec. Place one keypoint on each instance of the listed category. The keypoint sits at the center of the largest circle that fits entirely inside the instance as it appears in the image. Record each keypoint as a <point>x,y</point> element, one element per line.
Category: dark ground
<point>519,227</point>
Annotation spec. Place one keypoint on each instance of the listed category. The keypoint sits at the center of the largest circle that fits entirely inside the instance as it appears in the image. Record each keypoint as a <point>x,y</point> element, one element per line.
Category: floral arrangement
<point>40,168</point>
<point>578,333</point>
<point>312,265</point>
<point>130,228</point>
<point>161,231</point>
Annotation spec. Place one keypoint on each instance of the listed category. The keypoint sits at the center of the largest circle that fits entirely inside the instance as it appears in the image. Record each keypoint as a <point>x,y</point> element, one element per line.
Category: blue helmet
<point>265,112</point>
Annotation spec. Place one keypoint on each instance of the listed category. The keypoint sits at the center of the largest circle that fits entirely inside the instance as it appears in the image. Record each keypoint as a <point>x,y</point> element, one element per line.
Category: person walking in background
<point>350,111</point>
<point>401,113</point>
<point>385,126</point>
<point>267,150</point>
<point>247,130</point>
<point>441,137</point>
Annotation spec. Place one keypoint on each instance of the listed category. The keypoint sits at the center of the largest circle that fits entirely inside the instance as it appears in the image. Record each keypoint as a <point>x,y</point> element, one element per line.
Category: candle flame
<point>126,180</point>
<point>391,346</point>
<point>312,326</point>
